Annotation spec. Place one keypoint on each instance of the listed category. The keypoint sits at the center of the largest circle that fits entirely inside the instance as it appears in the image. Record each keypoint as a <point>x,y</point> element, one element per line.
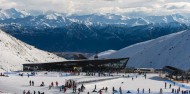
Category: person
<point>28,92</point>
<point>143,90</point>
<point>52,84</point>
<point>24,92</point>
<point>106,89</point>
<point>60,88</point>
<point>65,89</point>
<point>34,92</point>
<point>75,88</point>
<point>172,90</point>
<point>120,90</point>
<point>32,83</point>
<point>132,78</point>
<point>145,75</point>
<point>56,83</point>
<point>28,75</point>
<point>128,91</point>
<point>138,90</point>
<point>149,90</point>
<point>113,89</point>
<point>94,90</point>
<point>170,85</point>
<point>38,92</point>
<point>42,93</point>
<point>100,91</point>
<point>95,87</point>
<point>165,85</point>
<point>79,90</point>
<point>42,84</point>
<point>161,91</point>
<point>82,88</point>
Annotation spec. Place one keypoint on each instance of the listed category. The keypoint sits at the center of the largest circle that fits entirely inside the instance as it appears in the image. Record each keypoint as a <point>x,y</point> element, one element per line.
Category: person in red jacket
<point>65,89</point>
<point>100,91</point>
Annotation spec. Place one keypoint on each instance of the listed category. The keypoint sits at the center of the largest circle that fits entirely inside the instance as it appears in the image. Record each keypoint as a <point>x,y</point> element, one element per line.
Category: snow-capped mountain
<point>12,14</point>
<point>74,32</point>
<point>169,50</point>
<point>15,52</point>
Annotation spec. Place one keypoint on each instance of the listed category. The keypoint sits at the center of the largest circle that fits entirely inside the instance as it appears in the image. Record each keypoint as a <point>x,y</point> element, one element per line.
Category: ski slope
<point>171,50</point>
<point>13,53</point>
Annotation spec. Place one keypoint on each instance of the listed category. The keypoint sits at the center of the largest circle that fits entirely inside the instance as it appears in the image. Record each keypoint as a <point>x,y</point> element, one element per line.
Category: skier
<point>165,85</point>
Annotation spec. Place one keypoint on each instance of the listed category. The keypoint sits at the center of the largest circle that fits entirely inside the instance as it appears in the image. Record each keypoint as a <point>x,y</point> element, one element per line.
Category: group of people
<point>143,90</point>
<point>52,84</point>
<point>100,91</point>
<point>34,92</point>
<point>31,83</point>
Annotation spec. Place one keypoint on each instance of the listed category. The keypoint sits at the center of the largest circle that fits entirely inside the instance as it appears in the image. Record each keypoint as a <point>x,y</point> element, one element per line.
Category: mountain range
<point>58,32</point>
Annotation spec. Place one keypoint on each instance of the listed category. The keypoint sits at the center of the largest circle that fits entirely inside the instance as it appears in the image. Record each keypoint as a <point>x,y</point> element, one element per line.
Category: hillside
<point>13,53</point>
<point>172,50</point>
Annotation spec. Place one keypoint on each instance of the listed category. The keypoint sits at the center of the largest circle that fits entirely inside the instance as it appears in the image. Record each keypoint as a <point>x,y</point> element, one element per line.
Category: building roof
<point>173,70</point>
<point>85,61</point>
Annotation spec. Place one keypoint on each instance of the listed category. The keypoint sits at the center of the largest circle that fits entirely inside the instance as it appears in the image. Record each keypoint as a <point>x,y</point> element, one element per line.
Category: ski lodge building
<point>79,65</point>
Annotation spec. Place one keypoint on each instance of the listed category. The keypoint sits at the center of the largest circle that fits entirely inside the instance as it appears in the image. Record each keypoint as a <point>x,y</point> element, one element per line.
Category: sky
<point>153,7</point>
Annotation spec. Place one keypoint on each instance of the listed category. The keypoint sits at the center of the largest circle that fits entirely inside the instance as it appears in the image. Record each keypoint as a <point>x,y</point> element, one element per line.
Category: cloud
<point>178,5</point>
<point>152,7</point>
<point>7,4</point>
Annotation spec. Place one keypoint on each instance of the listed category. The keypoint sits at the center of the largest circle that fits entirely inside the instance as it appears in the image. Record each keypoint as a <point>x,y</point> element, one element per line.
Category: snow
<point>51,17</point>
<point>102,54</point>
<point>171,50</point>
<point>14,53</point>
<point>15,84</point>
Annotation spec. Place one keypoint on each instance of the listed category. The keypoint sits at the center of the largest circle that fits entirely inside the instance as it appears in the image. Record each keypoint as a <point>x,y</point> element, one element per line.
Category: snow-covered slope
<point>13,53</point>
<point>102,54</point>
<point>172,50</point>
